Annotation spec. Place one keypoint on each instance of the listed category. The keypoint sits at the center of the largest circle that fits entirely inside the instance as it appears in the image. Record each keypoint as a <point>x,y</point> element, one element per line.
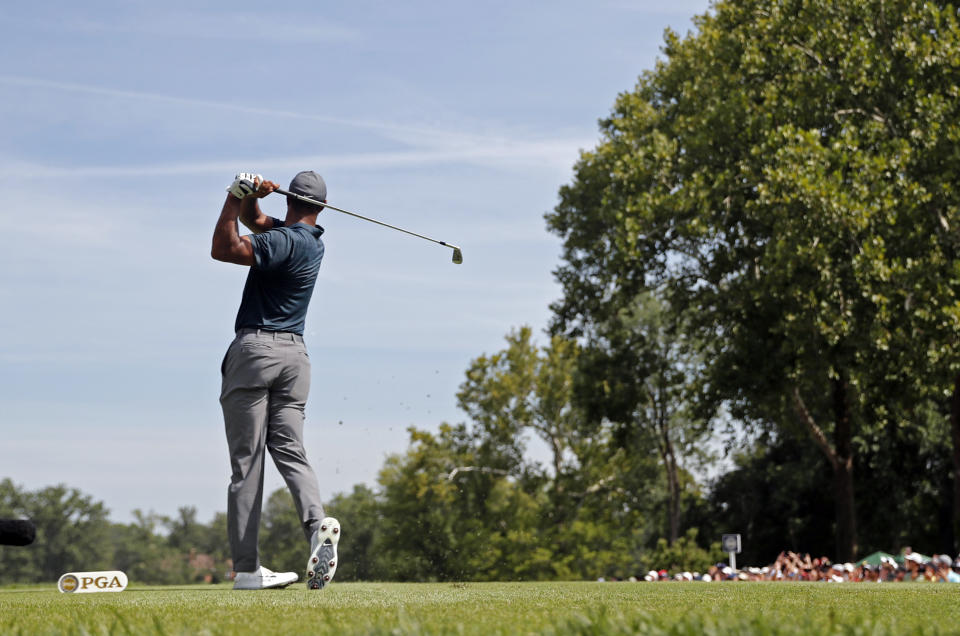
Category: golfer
<point>266,372</point>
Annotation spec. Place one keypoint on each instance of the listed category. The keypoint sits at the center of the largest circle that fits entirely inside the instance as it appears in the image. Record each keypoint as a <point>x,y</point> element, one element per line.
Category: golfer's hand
<point>245,183</point>
<point>265,188</point>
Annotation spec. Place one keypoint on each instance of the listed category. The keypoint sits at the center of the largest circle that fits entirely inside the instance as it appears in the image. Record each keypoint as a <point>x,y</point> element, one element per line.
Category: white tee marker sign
<point>88,582</point>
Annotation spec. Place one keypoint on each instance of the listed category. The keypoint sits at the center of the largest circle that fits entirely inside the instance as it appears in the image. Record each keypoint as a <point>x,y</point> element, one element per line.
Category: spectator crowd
<point>879,567</point>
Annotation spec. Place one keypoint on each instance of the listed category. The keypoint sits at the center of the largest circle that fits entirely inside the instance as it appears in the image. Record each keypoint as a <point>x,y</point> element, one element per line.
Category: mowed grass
<point>492,608</point>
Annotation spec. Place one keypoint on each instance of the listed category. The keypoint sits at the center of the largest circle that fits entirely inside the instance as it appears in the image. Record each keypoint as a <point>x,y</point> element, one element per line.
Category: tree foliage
<point>75,534</point>
<point>637,375</point>
<point>786,178</point>
<point>471,502</point>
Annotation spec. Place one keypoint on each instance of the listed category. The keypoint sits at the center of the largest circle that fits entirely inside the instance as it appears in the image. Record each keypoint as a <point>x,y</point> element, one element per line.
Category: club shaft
<point>360,216</point>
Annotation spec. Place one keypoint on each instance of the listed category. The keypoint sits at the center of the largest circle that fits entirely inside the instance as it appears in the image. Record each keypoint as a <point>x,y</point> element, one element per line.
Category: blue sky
<point>125,121</point>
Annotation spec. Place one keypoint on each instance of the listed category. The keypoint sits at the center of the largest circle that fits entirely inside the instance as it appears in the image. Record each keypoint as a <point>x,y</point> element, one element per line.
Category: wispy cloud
<point>551,154</point>
<point>16,80</point>
<point>224,25</point>
<point>429,145</point>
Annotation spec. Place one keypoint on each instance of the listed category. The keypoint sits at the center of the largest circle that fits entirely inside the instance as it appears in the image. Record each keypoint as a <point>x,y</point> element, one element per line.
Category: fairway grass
<point>491,608</point>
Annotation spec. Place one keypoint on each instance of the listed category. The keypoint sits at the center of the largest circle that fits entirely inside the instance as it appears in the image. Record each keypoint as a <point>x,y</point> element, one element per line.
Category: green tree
<point>420,538</point>
<point>19,564</point>
<point>283,546</point>
<point>185,533</point>
<point>684,554</point>
<point>638,372</point>
<point>443,522</point>
<point>215,543</point>
<point>141,550</point>
<point>776,495</point>
<point>524,390</point>
<point>73,533</point>
<point>785,177</point>
<point>436,526</point>
<point>467,502</point>
<point>359,513</point>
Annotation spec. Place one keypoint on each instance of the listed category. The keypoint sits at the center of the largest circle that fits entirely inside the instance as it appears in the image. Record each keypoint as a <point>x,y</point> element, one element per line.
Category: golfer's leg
<point>245,402</point>
<point>288,398</point>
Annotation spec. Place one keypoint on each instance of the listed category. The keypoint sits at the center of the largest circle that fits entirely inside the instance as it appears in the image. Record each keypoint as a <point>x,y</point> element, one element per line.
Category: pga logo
<point>88,582</point>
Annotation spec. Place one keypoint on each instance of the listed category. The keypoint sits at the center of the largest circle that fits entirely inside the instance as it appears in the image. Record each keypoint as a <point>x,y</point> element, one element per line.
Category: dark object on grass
<point>17,532</point>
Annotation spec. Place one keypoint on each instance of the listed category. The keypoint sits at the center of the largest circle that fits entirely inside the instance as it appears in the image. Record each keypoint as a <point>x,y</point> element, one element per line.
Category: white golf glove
<point>245,183</point>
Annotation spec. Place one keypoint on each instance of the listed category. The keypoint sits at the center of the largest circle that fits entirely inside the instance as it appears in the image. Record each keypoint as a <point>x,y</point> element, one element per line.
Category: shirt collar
<point>316,230</point>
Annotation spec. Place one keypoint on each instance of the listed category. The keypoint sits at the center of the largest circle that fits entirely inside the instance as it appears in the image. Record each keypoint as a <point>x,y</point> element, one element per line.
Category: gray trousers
<point>266,379</point>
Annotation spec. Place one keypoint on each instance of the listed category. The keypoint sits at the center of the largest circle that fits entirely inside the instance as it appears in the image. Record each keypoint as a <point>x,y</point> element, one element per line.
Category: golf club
<point>457,254</point>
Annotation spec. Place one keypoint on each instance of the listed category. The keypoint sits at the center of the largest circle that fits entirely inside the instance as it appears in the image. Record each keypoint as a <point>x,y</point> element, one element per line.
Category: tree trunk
<point>669,458</point>
<point>840,455</point>
<point>844,505</point>
<point>673,484</point>
<point>955,432</point>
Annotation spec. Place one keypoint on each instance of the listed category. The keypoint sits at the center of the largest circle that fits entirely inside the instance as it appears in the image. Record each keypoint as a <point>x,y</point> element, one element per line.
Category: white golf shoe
<point>322,564</point>
<point>262,579</point>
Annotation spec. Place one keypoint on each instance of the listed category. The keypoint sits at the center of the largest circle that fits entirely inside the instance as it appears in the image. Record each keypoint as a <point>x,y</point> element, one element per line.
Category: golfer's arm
<point>251,215</point>
<point>228,246</point>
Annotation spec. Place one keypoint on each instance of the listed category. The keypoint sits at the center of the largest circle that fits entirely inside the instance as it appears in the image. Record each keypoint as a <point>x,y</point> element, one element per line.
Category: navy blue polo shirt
<point>280,282</point>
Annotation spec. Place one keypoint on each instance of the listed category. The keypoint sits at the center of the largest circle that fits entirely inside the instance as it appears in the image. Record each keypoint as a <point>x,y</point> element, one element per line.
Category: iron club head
<point>457,256</point>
